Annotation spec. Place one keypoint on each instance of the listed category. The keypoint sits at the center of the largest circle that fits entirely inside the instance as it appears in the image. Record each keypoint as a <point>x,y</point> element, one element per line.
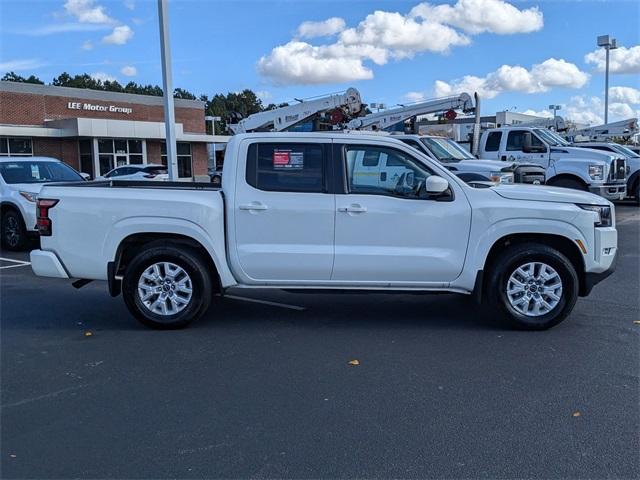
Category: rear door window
<point>493,142</point>
<point>287,167</point>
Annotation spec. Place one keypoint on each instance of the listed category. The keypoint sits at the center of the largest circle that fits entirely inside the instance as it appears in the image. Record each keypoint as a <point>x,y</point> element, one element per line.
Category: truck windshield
<point>551,138</point>
<point>446,150</point>
<point>37,172</point>
<point>626,151</point>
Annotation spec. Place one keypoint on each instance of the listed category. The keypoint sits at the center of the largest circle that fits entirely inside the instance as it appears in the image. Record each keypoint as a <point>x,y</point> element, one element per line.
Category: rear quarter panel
<point>90,223</point>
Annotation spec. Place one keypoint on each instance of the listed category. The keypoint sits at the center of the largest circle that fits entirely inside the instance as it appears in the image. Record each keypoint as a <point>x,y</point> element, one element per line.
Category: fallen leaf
<point>354,362</point>
<point>88,334</point>
<point>576,414</point>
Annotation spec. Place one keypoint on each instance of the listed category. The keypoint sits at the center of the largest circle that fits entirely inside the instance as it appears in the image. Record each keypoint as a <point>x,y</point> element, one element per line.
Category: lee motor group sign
<point>96,107</point>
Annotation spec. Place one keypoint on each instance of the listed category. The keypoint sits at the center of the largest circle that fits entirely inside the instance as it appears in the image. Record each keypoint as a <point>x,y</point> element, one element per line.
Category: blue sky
<point>407,50</point>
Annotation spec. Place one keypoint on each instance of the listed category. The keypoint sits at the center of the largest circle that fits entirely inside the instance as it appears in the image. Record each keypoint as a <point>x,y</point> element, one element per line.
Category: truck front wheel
<point>534,286</point>
<point>167,287</point>
<point>565,182</point>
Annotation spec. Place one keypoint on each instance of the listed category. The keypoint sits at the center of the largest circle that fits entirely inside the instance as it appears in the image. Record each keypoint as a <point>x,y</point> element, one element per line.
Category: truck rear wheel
<point>533,286</point>
<point>167,287</point>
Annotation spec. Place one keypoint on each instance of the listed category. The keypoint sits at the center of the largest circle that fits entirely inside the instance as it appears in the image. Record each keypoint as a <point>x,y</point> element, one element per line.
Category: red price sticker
<point>280,158</point>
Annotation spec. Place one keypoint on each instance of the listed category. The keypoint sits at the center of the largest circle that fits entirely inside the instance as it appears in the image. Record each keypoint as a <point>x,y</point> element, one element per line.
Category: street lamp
<point>609,44</point>
<point>554,109</point>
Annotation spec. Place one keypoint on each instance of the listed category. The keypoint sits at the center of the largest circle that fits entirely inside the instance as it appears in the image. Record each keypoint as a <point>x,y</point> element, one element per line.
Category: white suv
<point>137,172</point>
<point>21,179</point>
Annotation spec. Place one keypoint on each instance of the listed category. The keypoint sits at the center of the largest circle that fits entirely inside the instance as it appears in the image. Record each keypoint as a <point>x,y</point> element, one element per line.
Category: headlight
<point>603,211</point>
<point>31,197</point>
<point>501,177</point>
<point>596,172</point>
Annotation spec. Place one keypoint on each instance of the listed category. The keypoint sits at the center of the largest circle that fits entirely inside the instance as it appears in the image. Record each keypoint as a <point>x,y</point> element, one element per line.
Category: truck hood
<point>585,153</point>
<point>540,193</point>
<point>483,165</point>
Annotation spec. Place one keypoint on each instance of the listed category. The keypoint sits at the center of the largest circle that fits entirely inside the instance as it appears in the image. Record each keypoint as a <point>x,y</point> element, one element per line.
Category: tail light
<point>43,221</point>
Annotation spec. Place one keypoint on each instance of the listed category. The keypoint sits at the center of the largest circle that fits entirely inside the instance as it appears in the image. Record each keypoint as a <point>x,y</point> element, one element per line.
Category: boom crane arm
<point>348,104</point>
<point>393,116</point>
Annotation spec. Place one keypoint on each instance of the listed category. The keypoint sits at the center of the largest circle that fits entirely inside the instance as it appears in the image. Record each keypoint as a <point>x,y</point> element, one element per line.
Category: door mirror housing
<point>86,176</point>
<point>436,185</point>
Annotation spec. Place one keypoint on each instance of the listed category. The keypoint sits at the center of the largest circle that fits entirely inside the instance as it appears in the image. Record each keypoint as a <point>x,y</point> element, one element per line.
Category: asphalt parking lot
<point>263,390</point>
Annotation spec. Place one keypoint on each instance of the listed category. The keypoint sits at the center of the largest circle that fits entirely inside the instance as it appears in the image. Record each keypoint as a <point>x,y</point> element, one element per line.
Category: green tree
<point>181,93</point>
<point>14,77</point>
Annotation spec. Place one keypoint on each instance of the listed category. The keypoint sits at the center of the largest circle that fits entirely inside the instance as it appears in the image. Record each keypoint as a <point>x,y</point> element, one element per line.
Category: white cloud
<point>130,5</point>
<point>86,11</point>
<point>103,77</point>
<point>56,28</point>
<point>264,95</point>
<point>87,45</point>
<point>479,16</point>
<point>414,96</point>
<point>120,35</point>
<point>301,63</point>
<point>541,78</point>
<point>590,110</point>
<point>621,60</point>
<point>624,95</point>
<point>403,36</point>
<point>330,26</point>
<point>129,71</point>
<point>383,36</point>
<point>18,65</point>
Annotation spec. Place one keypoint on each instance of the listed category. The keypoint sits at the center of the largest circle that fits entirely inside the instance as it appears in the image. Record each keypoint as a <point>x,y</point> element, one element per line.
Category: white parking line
<point>20,263</point>
<point>266,302</point>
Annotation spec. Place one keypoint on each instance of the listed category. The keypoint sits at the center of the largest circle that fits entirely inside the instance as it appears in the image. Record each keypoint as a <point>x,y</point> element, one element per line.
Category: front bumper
<point>47,264</point>
<point>605,255</point>
<point>591,279</point>
<point>615,191</point>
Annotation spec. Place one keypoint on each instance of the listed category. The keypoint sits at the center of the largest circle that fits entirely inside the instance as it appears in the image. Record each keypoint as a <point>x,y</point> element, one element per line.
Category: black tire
<point>568,183</point>
<point>14,233</point>
<point>518,255</point>
<point>191,262</point>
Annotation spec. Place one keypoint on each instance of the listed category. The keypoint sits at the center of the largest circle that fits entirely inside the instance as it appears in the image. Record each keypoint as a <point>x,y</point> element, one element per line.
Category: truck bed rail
<point>138,184</point>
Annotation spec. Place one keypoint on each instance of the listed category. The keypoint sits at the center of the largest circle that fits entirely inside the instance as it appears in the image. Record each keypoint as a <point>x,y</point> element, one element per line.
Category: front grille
<point>618,169</point>
<point>529,175</point>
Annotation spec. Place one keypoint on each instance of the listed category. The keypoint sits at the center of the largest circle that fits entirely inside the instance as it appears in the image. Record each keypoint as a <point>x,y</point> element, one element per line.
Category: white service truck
<point>595,171</point>
<point>633,163</point>
<point>292,214</point>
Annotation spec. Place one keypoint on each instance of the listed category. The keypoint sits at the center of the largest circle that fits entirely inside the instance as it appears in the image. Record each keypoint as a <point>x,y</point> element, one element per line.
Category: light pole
<point>554,109</point>
<point>609,44</point>
<point>167,86</point>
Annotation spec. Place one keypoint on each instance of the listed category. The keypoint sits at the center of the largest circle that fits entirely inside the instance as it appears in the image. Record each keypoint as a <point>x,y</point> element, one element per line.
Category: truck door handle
<point>355,208</point>
<point>253,206</point>
<point>383,176</point>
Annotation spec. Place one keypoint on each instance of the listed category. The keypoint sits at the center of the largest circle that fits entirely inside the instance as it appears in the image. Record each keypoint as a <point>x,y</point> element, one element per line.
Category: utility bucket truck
<point>338,107</point>
<point>441,149</point>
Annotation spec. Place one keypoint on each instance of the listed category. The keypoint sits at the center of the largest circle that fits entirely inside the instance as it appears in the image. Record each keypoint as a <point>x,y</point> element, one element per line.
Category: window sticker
<point>35,171</point>
<point>288,159</point>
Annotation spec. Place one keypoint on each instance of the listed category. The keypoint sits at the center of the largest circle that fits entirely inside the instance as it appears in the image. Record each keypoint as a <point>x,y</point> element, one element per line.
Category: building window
<point>86,156</point>
<point>184,158</point>
<point>14,147</point>
<point>117,152</point>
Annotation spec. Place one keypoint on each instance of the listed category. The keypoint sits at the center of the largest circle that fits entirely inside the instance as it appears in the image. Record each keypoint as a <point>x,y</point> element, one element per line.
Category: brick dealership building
<point>95,131</point>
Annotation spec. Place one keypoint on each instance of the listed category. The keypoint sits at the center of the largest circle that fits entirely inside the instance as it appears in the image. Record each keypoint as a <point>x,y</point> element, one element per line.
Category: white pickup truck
<point>292,214</point>
<point>566,166</point>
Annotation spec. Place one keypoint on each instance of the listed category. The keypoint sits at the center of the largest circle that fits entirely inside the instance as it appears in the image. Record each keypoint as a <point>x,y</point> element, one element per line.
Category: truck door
<point>515,144</point>
<point>284,217</point>
<point>491,147</point>
<point>393,233</point>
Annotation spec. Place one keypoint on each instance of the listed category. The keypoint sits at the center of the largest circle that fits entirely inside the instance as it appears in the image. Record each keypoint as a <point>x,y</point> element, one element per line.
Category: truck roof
<point>28,158</point>
<point>289,136</point>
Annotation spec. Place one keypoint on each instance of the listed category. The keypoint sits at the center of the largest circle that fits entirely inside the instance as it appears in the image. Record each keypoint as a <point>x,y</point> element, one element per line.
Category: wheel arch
<point>564,245</point>
<point>566,176</point>
<point>133,244</point>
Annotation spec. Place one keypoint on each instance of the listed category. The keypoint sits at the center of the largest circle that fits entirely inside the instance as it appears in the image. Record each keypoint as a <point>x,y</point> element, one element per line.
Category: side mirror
<point>86,176</point>
<point>436,185</point>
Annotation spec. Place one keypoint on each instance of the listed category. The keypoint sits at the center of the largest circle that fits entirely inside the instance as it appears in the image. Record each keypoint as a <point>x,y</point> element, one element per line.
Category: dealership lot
<point>264,388</point>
